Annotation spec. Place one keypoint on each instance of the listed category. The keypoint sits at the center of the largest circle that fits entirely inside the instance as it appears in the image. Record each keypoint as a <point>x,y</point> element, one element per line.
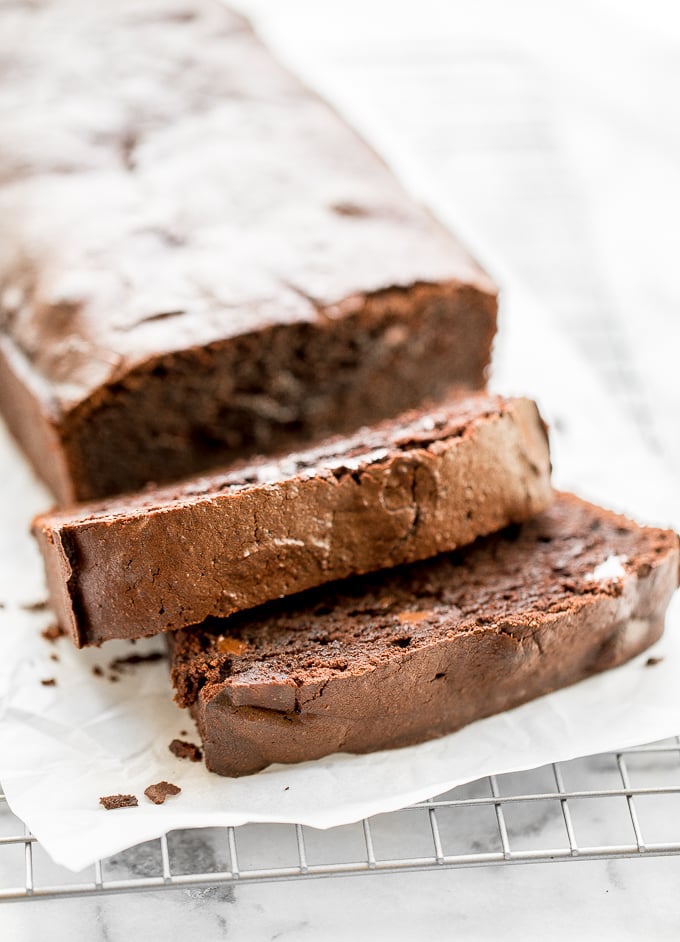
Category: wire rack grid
<point>605,807</point>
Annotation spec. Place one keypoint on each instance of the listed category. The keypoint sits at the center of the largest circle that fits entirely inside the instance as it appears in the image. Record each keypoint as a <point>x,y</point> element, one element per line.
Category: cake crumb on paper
<point>111,802</point>
<point>52,633</point>
<point>159,792</point>
<point>185,750</point>
<point>39,606</point>
<point>118,665</point>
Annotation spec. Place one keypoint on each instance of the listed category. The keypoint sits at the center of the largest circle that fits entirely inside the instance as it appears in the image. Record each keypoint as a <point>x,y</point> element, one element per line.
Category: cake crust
<point>202,261</point>
<point>403,490</point>
<point>400,657</point>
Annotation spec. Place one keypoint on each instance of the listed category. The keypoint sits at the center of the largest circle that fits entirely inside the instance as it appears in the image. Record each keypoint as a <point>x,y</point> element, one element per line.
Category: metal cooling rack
<point>609,806</point>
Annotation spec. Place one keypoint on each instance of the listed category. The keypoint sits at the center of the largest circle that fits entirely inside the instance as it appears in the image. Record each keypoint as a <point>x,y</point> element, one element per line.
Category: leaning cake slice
<point>399,491</point>
<point>420,651</point>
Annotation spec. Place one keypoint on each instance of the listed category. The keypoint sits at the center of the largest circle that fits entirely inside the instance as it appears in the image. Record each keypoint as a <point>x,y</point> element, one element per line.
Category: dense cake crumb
<point>159,792</point>
<point>185,750</point>
<point>111,802</point>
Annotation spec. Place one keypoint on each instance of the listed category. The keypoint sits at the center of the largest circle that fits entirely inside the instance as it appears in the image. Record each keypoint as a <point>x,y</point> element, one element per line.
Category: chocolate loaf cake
<point>403,490</point>
<point>199,260</point>
<point>395,659</point>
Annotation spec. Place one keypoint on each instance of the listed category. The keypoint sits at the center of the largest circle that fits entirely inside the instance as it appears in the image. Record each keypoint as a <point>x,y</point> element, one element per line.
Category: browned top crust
<point>165,184</point>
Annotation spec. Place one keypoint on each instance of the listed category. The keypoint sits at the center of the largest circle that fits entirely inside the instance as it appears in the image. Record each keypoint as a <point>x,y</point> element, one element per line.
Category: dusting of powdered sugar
<point>611,568</point>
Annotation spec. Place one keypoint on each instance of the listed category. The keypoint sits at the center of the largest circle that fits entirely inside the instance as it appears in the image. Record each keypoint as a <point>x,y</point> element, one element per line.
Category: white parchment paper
<point>63,746</point>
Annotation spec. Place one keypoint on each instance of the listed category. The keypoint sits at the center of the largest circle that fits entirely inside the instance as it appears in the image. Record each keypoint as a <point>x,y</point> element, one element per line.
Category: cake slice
<point>199,260</point>
<point>403,656</point>
<point>402,490</point>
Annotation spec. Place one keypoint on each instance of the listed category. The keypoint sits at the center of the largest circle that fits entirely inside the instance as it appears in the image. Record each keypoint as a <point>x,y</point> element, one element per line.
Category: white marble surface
<point>547,130</point>
<point>624,900</point>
